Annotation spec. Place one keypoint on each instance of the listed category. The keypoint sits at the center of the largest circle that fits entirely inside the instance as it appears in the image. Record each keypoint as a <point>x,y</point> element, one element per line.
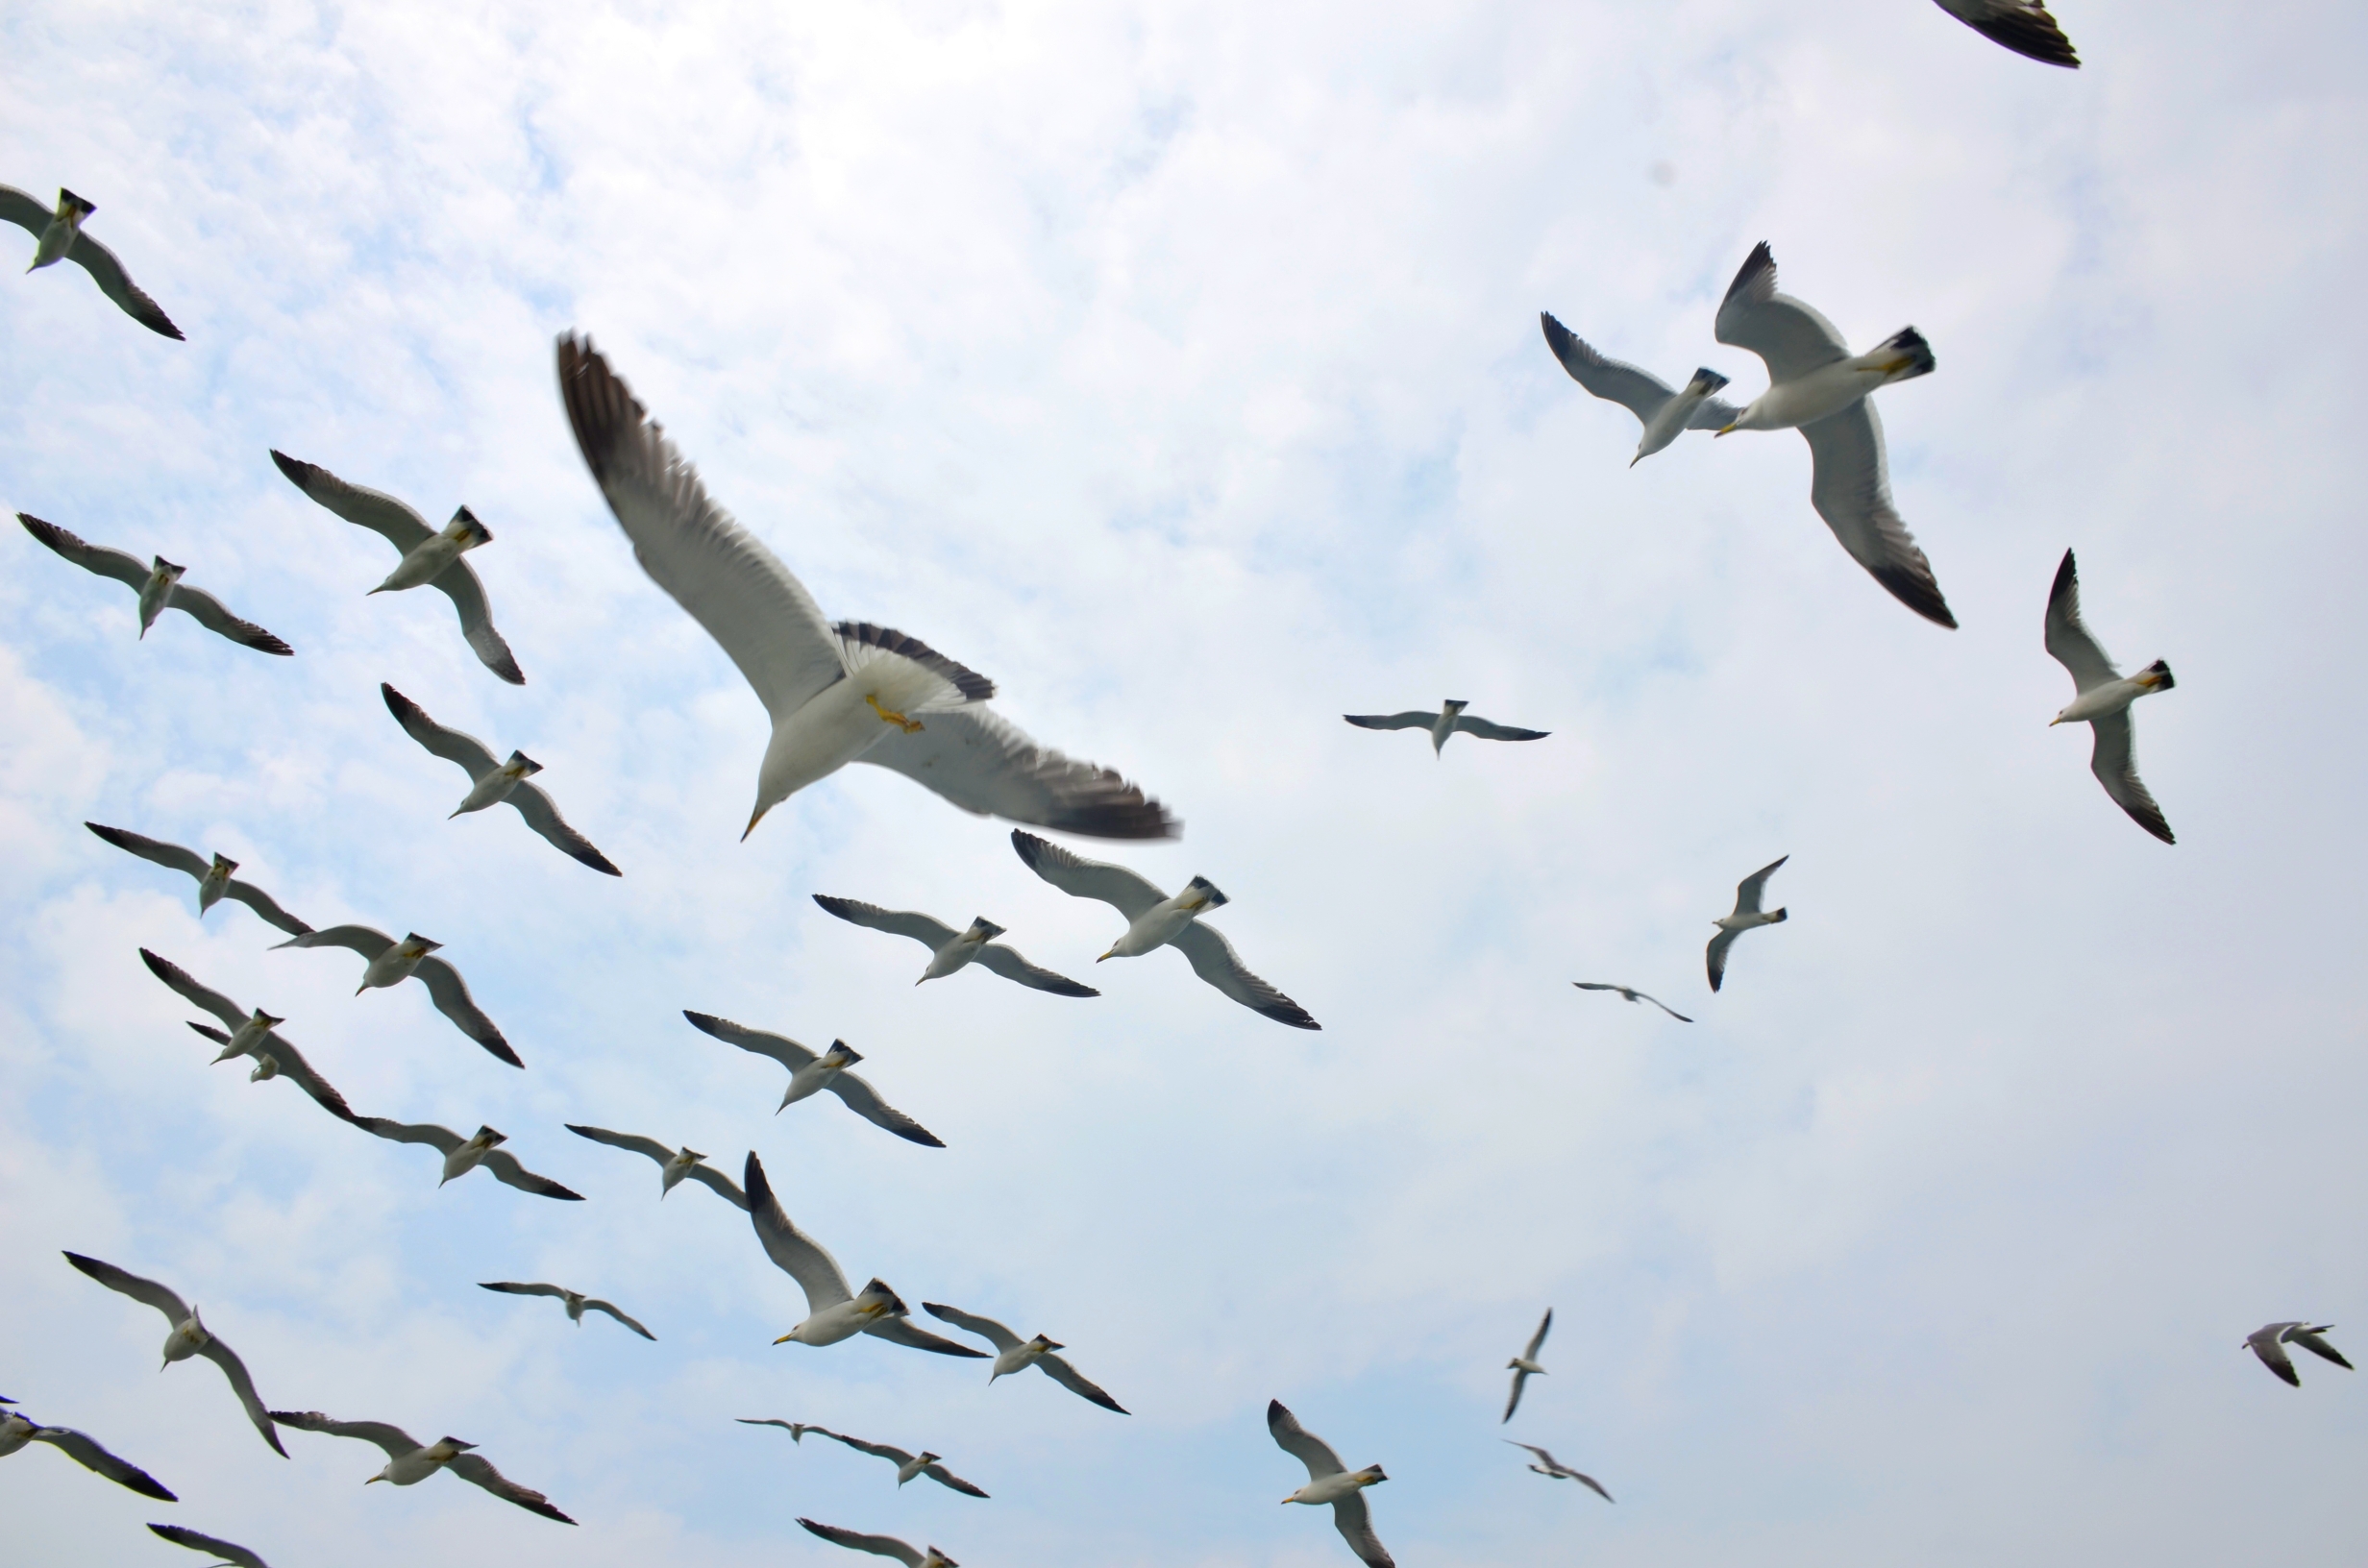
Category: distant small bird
<point>252,1034</point>
<point>462,1155</point>
<point>158,584</point>
<point>1667,414</point>
<point>2102,700</point>
<point>674,1165</point>
<point>391,963</point>
<point>1632,995</point>
<point>2269,1342</point>
<point>880,1546</point>
<point>1328,1480</point>
<point>17,1429</point>
<point>214,882</point>
<point>909,1466</point>
<point>188,1337</point>
<point>811,1072</point>
<point>1746,916</point>
<point>2023,26</point>
<point>410,1461</point>
<point>491,782</point>
<point>797,1429</point>
<point>1014,1354</point>
<point>833,1311</point>
<point>431,558</point>
<point>1154,919</point>
<point>1553,1468</point>
<point>1448,721</point>
<point>950,949</point>
<point>232,1554</point>
<point>59,237</point>
<point>576,1301</point>
<point>1524,1366</point>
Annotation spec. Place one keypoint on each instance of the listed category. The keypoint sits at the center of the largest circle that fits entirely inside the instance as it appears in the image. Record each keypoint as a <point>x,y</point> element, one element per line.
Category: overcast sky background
<point>1178,366</point>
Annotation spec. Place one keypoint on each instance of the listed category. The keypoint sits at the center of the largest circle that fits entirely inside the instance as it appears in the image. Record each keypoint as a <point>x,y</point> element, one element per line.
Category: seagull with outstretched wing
<point>1449,719</point>
<point>1013,1353</point>
<point>1554,1469</point>
<point>950,949</point>
<point>187,1338</point>
<point>214,882</point>
<point>58,237</point>
<point>1524,1366</point>
<point>2102,698</point>
<point>833,1311</point>
<point>251,1035</point>
<point>674,1166</point>
<point>576,1301</point>
<point>1748,917</point>
<point>1631,993</point>
<point>1328,1480</point>
<point>880,1546</point>
<point>1666,412</point>
<point>17,1429</point>
<point>909,1466</point>
<point>811,1072</point>
<point>462,1155</point>
<point>391,962</point>
<point>492,783</point>
<point>410,1461</point>
<point>2269,1342</point>
<point>158,584</point>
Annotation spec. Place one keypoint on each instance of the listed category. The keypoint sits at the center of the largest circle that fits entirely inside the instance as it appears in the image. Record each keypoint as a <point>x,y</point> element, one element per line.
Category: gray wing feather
<point>2266,1345</point>
<point>1058,1369</point>
<point>171,855</point>
<point>1790,336</point>
<point>593,1304</point>
<point>1124,891</point>
<point>986,1328</point>
<point>25,210</point>
<point>542,815</point>
<point>294,1067</point>
<point>101,560</point>
<point>1716,956</point>
<point>632,1141</point>
<point>1749,892</point>
<point>860,1097</point>
<point>458,583</point>
<point>116,285</point>
<point>452,999</point>
<point>986,764</point>
<point>2309,1340</point>
<point>878,1451</point>
<point>1300,1443</point>
<point>1213,958</point>
<point>1355,1523</point>
<point>1392,720</point>
<point>947,1477</point>
<point>929,932</point>
<point>723,1186</point>
<point>2020,25</point>
<point>2114,762</point>
<point>478,1471</point>
<point>190,992</point>
<point>367,940</point>
<point>1513,1400</point>
<point>1007,962</point>
<point>146,1292</point>
<point>793,1252</point>
<point>243,1385</point>
<point>780,1047</point>
<point>472,756</point>
<point>1850,486</point>
<point>231,1551</point>
<point>2068,641</point>
<point>1537,1341</point>
<point>391,1440</point>
<point>263,905</point>
<point>1488,731</point>
<point>521,1288</point>
<point>881,1546</point>
<point>903,1331</point>
<point>1613,380</point>
<point>507,1171</point>
<point>86,1450</point>
<point>442,1140</point>
<point>211,613</point>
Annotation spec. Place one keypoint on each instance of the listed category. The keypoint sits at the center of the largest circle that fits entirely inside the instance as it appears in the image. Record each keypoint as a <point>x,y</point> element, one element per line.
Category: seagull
<point>61,238</point>
<point>908,1465</point>
<point>409,1462</point>
<point>809,1075</point>
<point>880,1546</point>
<point>1745,916</point>
<point>833,1313</point>
<point>950,949</point>
<point>1447,720</point>
<point>392,962</point>
<point>493,782</point>
<point>158,585</point>
<point>1328,1480</point>
<point>837,692</point>
<point>188,1337</point>
<point>16,1429</point>
<point>797,1429</point>
<point>674,1165</point>
<point>577,1303</point>
<point>1014,1354</point>
<point>232,1554</point>
<point>1524,1366</point>
<point>2023,26</point>
<point>462,1155</point>
<point>2269,1342</point>
<point>1632,995</point>
<point>251,1034</point>
<point>429,558</point>
<point>1550,1466</point>
<point>1666,414</point>
<point>1818,388</point>
<point>1155,919</point>
<point>214,882</point>
<point>2103,697</point>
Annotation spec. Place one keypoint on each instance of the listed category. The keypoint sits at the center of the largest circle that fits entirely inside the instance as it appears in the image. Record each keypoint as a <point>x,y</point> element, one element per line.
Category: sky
<point>1178,366</point>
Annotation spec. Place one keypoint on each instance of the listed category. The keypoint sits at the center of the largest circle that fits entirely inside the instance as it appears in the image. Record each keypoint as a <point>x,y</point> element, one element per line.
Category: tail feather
<point>2161,672</point>
<point>1705,381</point>
<point>1202,884</point>
<point>1909,342</point>
<point>1778,918</point>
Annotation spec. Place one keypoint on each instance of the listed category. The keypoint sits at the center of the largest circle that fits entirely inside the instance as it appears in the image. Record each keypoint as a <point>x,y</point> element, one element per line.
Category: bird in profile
<point>836,693</point>
<point>2023,26</point>
<point>17,1429</point>
<point>949,949</point>
<point>909,1466</point>
<point>58,237</point>
<point>1524,1366</point>
<point>1817,386</point>
<point>492,783</point>
<point>251,1034</point>
<point>1013,1353</point>
<point>462,1155</point>
<point>1631,993</point>
<point>880,1546</point>
<point>1154,919</point>
<point>159,585</point>
<point>2102,698</point>
<point>1554,1469</point>
<point>188,1337</point>
<point>214,882</point>
<point>1666,414</point>
<point>674,1166</point>
<point>2269,1342</point>
<point>230,1553</point>
<point>431,558</point>
<point>1328,1480</point>
<point>576,1301</point>
<point>811,1072</point>
<point>1746,916</point>
<point>410,1461</point>
<point>1449,719</point>
<point>391,962</point>
<point>833,1311</point>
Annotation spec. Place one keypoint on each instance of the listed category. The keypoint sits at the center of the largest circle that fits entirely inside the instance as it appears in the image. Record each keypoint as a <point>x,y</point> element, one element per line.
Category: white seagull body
<point>462,1155</point>
<point>1748,917</point>
<point>1154,919</point>
<point>187,1338</point>
<point>951,951</point>
<point>2102,699</point>
<point>833,1311</point>
<point>674,1166</point>
<point>2269,1342</point>
<point>214,882</point>
<point>1328,1480</point>
<point>158,584</point>
<point>1666,413</point>
<point>230,1552</point>
<point>1524,1366</point>
<point>59,237</point>
<point>836,693</point>
<point>391,962</point>
<point>1013,1353</point>
<point>2023,26</point>
<point>1449,719</point>
<point>491,783</point>
<point>811,1072</point>
<point>909,1466</point>
<point>252,1034</point>
<point>880,1546</point>
<point>16,1429</point>
<point>576,1301</point>
<point>1631,993</point>
<point>410,1461</point>
<point>1549,1466</point>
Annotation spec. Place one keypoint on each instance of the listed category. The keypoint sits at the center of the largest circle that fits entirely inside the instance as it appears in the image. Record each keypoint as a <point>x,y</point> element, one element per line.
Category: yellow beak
<point>754,817</point>
<point>787,1337</point>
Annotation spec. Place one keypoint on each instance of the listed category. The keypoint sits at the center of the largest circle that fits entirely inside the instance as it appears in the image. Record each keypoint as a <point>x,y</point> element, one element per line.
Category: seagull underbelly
<point>830,731</point>
<point>2101,702</point>
<point>1825,391</point>
<point>1158,926</point>
<point>490,791</point>
<point>1331,1489</point>
<point>423,565</point>
<point>950,957</point>
<point>412,1468</point>
<point>831,1325</point>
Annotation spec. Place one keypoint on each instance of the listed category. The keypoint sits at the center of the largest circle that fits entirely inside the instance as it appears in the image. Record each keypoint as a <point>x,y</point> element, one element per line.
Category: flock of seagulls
<point>841,692</point>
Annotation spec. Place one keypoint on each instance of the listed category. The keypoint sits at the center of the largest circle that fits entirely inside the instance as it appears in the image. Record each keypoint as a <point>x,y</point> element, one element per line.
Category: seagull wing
<point>1213,958</point>
<point>1642,394</point>
<point>793,1252</point>
<point>170,855</point>
<point>442,1140</point>
<point>101,560</point>
<point>293,1066</point>
<point>1666,1007</point>
<point>1488,731</point>
<point>930,933</point>
<point>459,583</point>
<point>780,1047</point>
<point>1058,1369</point>
<point>1392,720</point>
<point>2308,1339</point>
<point>25,210</point>
<point>632,1141</point>
<point>1716,956</point>
<point>1748,892</point>
<point>986,1328</point>
<point>947,1477</point>
<point>1513,1400</point>
<point>1537,1341</point>
<point>1355,1523</point>
<point>593,1304</point>
<point>391,1440</point>
<point>216,617</point>
<point>367,940</point>
<point>518,1287</point>
<point>232,1554</point>
<point>722,1185</point>
<point>1073,874</point>
<point>1543,1458</point>
<point>879,1451</point>
<point>2023,26</point>
<point>116,285</point>
<point>86,1450</point>
<point>902,1331</point>
<point>542,815</point>
<point>478,1471</point>
<point>864,1100</point>
<point>1586,1480</point>
<point>2068,641</point>
<point>1792,338</point>
<point>474,756</point>
<point>988,766</point>
<point>2265,1344</point>
<point>1300,1443</point>
<point>263,905</point>
<point>1850,485</point>
<point>1007,962</point>
<point>751,603</point>
<point>243,1385</point>
<point>190,992</point>
<point>509,1172</point>
<point>161,1297</point>
<point>883,1546</point>
<point>2114,762</point>
<point>452,999</point>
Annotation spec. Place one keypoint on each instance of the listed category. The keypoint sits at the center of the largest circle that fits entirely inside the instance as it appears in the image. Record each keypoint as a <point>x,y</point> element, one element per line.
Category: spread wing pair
<point>476,759</point>
<point>214,879</point>
<point>804,1260</point>
<point>400,1446</point>
<point>16,1429</point>
<point>855,1092</point>
<point>286,1060</point>
<point>27,212</point>
<point>445,986</point>
<point>158,584</point>
<point>186,1330</point>
<point>676,1165</point>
